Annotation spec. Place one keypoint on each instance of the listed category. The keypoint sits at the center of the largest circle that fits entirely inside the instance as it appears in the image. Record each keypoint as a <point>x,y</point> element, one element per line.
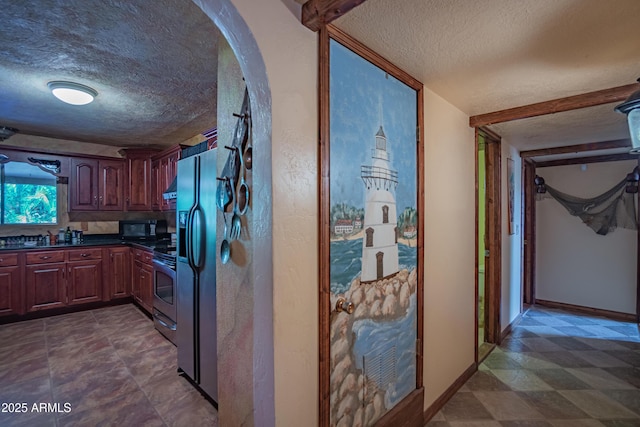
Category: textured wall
<point>574,265</point>
<point>449,292</point>
<point>235,284</point>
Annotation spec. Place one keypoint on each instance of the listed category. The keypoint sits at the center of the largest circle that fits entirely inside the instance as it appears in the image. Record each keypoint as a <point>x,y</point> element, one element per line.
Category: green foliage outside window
<point>29,204</point>
<point>28,195</point>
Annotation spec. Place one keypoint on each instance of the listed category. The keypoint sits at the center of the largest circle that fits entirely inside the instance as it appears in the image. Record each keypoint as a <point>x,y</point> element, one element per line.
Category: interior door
<point>371,287</point>
<point>493,231</point>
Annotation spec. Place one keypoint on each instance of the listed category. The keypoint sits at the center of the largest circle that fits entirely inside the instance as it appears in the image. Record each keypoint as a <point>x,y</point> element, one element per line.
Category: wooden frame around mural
<point>413,415</point>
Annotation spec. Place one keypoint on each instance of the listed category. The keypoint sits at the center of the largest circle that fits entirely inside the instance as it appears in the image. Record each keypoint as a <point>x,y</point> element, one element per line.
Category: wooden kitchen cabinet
<point>146,287</point>
<point>117,281</point>
<point>83,185</point>
<point>84,280</point>
<point>10,285</point>
<point>96,184</point>
<point>45,286</point>
<point>111,185</point>
<point>164,169</point>
<point>142,278</point>
<point>138,179</point>
<point>58,278</point>
<point>156,192</point>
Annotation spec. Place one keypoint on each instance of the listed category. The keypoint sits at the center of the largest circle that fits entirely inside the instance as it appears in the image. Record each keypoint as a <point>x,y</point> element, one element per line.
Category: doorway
<point>488,242</point>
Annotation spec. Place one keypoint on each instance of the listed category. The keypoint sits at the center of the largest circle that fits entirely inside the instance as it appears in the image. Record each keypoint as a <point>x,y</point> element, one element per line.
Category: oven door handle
<point>158,317</point>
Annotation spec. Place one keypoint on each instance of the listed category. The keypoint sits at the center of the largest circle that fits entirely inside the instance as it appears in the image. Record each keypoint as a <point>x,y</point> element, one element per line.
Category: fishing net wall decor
<point>603,213</point>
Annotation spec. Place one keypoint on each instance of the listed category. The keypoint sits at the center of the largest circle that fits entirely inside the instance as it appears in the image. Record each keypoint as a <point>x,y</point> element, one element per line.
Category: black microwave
<point>143,229</point>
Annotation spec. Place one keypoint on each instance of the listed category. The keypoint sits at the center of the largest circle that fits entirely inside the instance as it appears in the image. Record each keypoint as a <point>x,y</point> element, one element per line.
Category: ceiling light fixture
<point>6,132</point>
<point>72,93</point>
<point>631,107</point>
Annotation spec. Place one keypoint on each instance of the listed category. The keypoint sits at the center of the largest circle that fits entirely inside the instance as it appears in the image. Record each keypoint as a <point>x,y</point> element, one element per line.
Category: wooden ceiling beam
<point>590,99</point>
<point>316,13</point>
<point>592,146</point>
<point>585,160</point>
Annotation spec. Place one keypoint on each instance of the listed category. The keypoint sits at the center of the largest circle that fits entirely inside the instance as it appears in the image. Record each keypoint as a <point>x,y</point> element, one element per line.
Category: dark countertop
<point>95,240</point>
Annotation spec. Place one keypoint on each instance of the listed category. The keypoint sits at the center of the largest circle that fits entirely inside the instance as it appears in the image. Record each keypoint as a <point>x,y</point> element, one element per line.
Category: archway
<point>237,404</point>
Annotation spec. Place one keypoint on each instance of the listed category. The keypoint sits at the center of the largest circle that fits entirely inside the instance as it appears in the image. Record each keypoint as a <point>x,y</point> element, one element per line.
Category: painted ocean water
<point>372,336</point>
<point>346,262</point>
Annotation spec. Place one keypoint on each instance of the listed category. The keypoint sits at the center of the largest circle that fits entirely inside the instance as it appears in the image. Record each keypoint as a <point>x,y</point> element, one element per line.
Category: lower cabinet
<point>45,280</point>
<point>45,286</point>
<point>10,285</point>
<point>117,281</point>
<point>142,278</point>
<point>57,278</point>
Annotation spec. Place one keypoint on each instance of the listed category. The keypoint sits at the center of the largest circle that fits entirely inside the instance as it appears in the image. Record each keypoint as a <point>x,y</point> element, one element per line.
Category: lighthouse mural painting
<point>380,243</point>
<point>373,248</point>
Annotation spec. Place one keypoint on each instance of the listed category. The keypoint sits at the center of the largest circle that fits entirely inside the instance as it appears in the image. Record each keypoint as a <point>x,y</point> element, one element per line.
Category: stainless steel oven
<point>164,293</point>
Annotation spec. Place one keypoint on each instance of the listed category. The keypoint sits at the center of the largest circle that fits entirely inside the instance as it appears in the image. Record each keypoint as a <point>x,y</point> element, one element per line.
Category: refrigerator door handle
<point>189,233</point>
<point>198,237</point>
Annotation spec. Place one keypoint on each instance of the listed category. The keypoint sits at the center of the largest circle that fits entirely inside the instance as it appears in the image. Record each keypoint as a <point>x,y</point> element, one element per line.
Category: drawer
<point>87,253</point>
<point>143,256</point>
<point>8,260</point>
<point>45,257</point>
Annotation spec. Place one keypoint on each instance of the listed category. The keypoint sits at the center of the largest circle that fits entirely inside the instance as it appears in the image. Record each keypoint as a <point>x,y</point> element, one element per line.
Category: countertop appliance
<point>196,271</point>
<point>142,229</point>
<point>164,291</point>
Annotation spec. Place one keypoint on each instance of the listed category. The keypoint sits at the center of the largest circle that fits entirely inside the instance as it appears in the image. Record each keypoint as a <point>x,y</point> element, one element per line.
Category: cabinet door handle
<point>45,257</point>
<point>84,255</point>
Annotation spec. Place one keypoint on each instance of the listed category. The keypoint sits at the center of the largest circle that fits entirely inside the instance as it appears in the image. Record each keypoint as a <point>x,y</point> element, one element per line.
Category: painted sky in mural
<point>381,100</point>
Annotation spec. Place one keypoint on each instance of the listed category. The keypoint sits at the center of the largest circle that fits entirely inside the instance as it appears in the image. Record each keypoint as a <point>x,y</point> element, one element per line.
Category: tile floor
<point>110,365</point>
<point>557,369</point>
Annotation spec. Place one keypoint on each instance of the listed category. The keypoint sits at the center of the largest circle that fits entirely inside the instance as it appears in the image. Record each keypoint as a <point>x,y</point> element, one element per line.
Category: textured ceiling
<point>489,55</point>
<point>153,63</point>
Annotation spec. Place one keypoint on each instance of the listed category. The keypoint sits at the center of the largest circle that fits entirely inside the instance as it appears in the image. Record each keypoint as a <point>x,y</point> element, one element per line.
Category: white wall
<point>511,286</point>
<point>449,284</point>
<point>574,265</point>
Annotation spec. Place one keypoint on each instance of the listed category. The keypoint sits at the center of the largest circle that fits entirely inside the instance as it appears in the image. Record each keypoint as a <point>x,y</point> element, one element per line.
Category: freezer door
<point>185,278</point>
<point>208,325</point>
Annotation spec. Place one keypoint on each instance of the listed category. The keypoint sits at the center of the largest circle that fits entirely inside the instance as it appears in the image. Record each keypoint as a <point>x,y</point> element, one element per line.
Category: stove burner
<point>166,256</point>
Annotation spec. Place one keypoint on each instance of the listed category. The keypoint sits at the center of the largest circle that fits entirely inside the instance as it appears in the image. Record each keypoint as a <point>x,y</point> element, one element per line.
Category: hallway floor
<point>109,365</point>
<point>558,369</point>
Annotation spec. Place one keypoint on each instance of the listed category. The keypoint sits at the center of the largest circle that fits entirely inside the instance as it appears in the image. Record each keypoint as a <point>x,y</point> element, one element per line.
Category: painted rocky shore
<point>384,300</point>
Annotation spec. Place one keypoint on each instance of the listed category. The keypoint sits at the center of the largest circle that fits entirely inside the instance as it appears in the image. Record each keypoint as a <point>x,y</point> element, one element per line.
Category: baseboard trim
<point>448,394</point>
<point>510,327</point>
<point>615,315</point>
<point>407,413</point>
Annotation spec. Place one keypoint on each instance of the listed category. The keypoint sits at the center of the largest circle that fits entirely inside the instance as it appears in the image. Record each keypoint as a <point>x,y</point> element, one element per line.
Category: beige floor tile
<point>506,405</point>
<point>597,404</point>
<point>585,422</point>
<point>600,359</point>
<point>599,379</point>
<point>521,380</point>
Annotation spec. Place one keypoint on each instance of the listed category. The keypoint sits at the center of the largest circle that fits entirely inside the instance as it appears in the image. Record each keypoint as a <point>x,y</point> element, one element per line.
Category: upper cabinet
<point>96,184</point>
<point>111,185</point>
<point>135,183</point>
<point>164,168</point>
<point>138,194</point>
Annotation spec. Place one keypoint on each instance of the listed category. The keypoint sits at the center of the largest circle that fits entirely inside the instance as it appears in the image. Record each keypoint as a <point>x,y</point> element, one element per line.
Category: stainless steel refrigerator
<point>196,270</point>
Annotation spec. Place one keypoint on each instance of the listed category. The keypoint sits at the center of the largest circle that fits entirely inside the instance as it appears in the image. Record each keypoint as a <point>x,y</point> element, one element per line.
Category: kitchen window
<point>28,195</point>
